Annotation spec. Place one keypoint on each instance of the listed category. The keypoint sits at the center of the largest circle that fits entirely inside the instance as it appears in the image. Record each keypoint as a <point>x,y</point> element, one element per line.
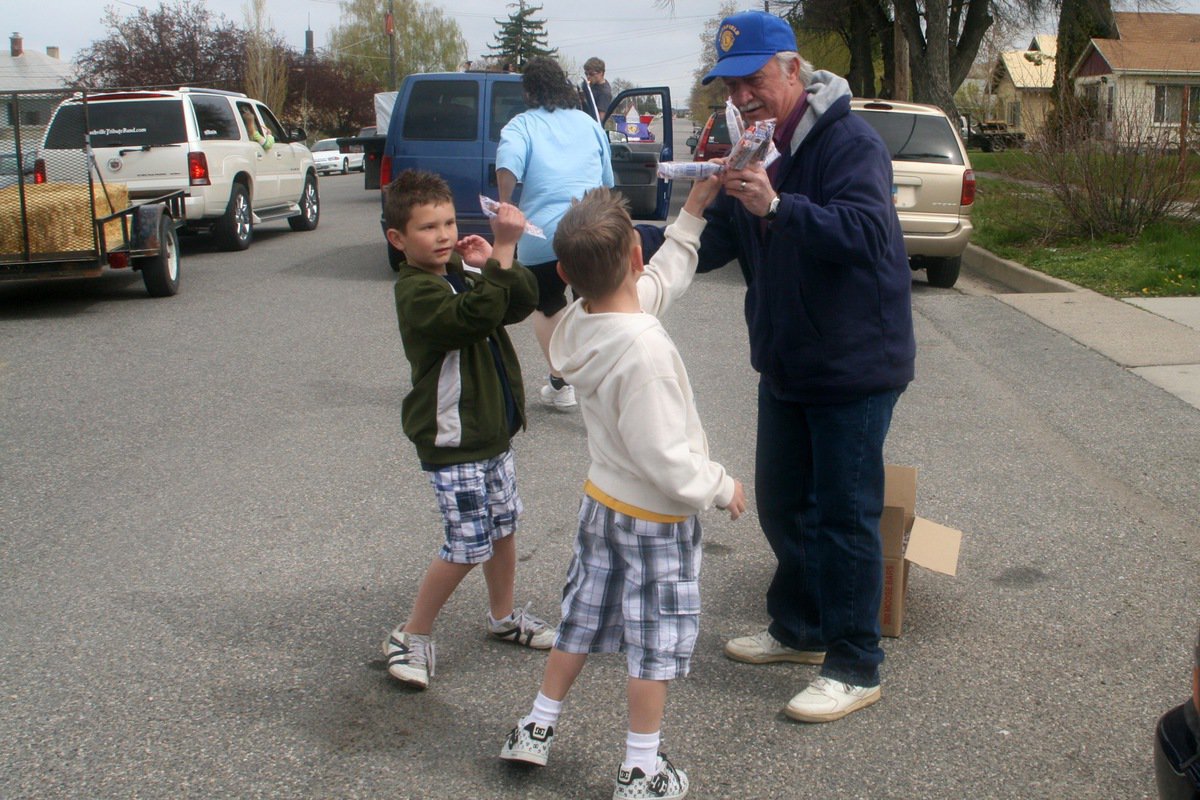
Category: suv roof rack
<point>199,89</point>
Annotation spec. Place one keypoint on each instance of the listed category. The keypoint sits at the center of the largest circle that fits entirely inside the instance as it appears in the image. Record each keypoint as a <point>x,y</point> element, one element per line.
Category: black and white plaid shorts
<point>479,504</point>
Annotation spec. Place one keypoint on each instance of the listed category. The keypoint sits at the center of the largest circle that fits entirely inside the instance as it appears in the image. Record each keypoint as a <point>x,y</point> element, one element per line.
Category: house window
<point>1014,114</point>
<point>1168,103</point>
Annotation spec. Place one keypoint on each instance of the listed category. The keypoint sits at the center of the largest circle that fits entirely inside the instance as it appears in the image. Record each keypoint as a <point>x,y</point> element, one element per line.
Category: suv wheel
<point>942,272</point>
<point>235,229</point>
<point>310,207</point>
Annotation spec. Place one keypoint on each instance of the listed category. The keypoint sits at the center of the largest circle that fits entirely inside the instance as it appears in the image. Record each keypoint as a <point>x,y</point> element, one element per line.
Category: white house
<point>1146,81</point>
<point>29,71</point>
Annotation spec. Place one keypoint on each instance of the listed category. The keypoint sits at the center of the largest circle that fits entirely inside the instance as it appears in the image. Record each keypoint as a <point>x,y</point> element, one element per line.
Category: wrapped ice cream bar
<point>489,207</point>
<point>752,145</point>
<point>687,170</point>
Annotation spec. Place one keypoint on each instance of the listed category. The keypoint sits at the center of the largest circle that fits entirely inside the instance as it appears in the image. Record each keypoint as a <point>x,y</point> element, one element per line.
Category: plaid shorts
<point>633,586</point>
<point>479,504</point>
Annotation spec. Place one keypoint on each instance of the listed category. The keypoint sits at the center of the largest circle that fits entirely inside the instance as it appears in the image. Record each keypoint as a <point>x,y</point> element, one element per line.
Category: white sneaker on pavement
<point>763,648</point>
<point>825,700</point>
<point>562,399</point>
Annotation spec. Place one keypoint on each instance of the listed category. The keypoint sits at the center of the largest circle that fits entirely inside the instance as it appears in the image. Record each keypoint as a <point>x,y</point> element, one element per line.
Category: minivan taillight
<point>968,188</point>
<point>39,171</point>
<point>385,171</point>
<point>198,169</point>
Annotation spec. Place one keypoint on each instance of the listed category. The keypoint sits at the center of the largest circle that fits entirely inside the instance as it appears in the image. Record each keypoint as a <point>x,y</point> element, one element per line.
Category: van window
<point>443,110</point>
<point>915,137</point>
<point>214,117</point>
<point>126,123</point>
<point>508,100</point>
<point>273,124</point>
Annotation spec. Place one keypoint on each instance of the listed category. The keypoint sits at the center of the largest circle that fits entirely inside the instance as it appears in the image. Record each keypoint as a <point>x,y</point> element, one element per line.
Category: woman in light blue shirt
<point>556,152</point>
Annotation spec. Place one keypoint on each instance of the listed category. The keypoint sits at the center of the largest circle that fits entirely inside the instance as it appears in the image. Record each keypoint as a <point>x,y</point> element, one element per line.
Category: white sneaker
<point>763,648</point>
<point>410,656</point>
<point>529,744</point>
<point>563,399</point>
<point>825,700</point>
<point>525,629</point>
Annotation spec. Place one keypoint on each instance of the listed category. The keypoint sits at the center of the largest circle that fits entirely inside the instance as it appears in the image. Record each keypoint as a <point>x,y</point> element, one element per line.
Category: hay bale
<point>60,217</point>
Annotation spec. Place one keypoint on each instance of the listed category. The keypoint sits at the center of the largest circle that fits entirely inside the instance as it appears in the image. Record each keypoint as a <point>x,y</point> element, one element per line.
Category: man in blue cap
<point>829,313</point>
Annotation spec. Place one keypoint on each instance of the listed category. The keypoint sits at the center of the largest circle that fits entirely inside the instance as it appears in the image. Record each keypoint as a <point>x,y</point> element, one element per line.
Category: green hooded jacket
<point>455,412</point>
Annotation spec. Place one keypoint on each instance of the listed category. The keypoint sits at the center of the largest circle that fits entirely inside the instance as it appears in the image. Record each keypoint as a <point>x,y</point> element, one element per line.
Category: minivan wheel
<point>234,230</point>
<point>310,207</point>
<point>942,272</point>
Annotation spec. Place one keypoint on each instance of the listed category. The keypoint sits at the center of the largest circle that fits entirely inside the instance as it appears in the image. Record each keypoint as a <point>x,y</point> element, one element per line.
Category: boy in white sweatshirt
<point>633,583</point>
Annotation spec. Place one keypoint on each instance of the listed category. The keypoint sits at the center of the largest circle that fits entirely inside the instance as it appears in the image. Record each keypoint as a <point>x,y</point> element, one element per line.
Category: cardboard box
<point>909,539</point>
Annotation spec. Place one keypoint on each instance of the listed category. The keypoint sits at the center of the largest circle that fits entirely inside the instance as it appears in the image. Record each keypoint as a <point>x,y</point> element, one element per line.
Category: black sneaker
<point>668,783</point>
<point>529,744</point>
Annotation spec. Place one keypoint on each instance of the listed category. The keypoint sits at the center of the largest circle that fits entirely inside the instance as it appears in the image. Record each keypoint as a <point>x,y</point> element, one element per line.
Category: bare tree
<point>266,58</point>
<point>178,43</point>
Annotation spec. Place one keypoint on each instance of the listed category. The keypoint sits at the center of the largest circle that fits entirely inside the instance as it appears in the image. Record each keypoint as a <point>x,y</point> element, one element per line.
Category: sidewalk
<point>1156,338</point>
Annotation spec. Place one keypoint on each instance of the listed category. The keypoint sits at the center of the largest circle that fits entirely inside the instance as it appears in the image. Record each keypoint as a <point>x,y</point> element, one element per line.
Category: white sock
<point>641,750</point>
<point>545,711</point>
<point>496,622</point>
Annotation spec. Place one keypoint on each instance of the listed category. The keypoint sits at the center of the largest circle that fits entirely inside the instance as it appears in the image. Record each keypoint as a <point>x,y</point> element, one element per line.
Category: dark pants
<point>818,479</point>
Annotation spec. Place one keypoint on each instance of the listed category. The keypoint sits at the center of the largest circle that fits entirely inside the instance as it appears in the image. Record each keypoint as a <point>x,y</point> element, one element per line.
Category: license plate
<point>904,196</point>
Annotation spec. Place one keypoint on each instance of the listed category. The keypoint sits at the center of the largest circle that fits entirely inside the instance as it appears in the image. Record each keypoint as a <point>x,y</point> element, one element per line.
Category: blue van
<point>450,122</point>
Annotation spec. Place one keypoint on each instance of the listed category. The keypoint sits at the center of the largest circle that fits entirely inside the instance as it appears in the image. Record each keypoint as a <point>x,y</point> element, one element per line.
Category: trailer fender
<point>145,226</point>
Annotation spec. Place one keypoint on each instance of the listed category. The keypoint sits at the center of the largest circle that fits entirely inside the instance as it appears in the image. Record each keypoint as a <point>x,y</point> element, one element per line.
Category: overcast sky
<point>639,42</point>
<point>645,45</point>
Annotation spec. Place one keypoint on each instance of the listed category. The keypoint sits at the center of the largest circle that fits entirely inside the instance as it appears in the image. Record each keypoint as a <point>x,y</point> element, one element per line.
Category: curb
<point>1013,275</point>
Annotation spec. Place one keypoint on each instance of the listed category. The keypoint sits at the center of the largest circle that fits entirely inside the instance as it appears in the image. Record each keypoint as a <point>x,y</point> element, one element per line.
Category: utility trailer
<point>78,225</point>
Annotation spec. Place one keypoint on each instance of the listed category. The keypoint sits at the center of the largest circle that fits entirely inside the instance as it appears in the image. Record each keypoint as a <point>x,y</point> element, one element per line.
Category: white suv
<point>197,140</point>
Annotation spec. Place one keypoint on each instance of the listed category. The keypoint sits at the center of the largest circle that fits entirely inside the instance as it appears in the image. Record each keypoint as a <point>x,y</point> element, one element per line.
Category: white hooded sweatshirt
<point>647,446</point>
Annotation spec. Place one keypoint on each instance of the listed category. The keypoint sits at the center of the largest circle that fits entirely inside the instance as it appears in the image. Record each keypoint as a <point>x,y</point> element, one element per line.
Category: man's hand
<point>751,186</point>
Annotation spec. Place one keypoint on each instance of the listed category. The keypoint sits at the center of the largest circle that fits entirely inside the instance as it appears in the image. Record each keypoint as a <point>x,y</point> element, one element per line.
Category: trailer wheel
<point>235,229</point>
<point>161,270</point>
<point>310,207</point>
<point>999,145</point>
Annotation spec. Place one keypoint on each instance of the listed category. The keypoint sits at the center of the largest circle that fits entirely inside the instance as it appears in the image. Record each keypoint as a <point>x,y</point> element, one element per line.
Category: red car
<point>713,140</point>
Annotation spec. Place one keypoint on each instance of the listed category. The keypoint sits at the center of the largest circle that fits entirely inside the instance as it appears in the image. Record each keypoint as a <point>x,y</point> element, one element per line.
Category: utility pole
<point>390,28</point>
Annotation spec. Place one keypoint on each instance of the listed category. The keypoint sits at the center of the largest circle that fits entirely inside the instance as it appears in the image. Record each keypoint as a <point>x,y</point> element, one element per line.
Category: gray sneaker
<point>529,744</point>
<point>668,783</point>
<point>524,628</point>
<point>410,657</point>
<point>763,648</point>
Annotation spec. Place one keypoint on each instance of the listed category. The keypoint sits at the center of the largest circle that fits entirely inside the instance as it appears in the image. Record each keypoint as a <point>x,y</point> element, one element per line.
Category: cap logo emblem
<point>727,36</point>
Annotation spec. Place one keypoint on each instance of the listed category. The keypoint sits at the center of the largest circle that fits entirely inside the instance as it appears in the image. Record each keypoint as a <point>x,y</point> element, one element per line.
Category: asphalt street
<point>209,518</point>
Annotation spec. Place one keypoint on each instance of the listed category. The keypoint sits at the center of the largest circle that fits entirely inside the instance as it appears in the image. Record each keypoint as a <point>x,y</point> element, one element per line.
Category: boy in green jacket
<point>467,401</point>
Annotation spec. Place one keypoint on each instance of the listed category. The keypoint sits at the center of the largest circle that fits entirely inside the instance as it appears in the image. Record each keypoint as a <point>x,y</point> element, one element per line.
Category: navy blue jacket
<point>828,301</point>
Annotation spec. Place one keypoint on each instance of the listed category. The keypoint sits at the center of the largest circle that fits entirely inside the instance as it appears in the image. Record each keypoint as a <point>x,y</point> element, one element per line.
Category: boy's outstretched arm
<point>702,194</point>
<point>507,227</point>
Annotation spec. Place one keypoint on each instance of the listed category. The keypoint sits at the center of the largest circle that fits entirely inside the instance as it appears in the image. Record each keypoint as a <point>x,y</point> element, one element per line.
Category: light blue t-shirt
<point>556,155</point>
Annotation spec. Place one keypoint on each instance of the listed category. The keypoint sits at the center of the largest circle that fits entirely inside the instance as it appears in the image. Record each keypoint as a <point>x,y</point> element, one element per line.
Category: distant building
<point>1147,77</point>
<point>1021,83</point>
<point>24,71</point>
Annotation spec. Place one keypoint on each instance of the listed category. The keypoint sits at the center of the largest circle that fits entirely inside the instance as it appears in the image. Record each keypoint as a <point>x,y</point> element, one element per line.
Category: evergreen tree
<point>521,38</point>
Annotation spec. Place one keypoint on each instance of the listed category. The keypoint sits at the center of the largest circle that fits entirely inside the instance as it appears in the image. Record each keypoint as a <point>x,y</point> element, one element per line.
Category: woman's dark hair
<point>546,85</point>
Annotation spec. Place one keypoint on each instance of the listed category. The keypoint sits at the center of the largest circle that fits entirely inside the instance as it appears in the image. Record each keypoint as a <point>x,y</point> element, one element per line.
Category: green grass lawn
<point>1016,219</point>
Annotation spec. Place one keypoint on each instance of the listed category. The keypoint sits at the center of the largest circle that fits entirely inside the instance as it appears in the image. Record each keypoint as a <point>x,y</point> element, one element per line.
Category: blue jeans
<point>818,480</point>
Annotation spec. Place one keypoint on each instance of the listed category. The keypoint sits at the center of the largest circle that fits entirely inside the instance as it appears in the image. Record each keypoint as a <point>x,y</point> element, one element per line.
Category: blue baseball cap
<point>747,41</point>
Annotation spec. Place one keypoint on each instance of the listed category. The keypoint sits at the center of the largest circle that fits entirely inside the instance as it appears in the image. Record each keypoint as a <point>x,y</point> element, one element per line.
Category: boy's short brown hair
<point>593,242</point>
<point>413,187</point>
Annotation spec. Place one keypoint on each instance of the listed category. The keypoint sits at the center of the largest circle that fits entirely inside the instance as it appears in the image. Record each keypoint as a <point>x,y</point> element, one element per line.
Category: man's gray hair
<point>785,59</point>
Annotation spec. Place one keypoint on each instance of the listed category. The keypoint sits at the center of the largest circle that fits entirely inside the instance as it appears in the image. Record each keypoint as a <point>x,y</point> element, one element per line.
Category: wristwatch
<point>772,209</point>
